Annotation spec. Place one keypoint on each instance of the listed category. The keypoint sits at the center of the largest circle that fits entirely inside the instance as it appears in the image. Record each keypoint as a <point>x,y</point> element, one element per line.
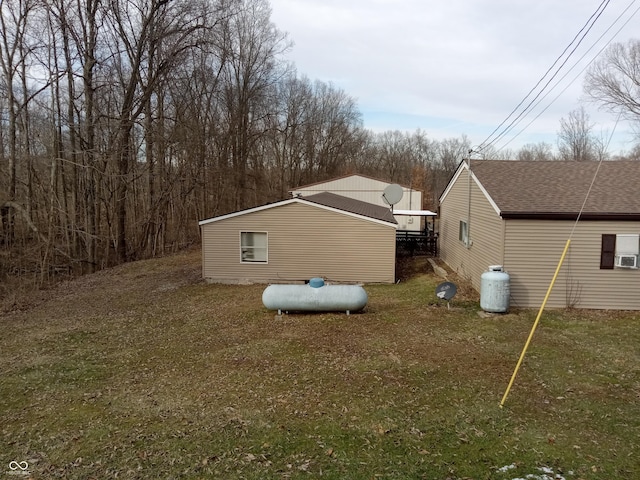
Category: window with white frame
<point>463,233</point>
<point>254,247</point>
<point>627,250</point>
<point>620,251</point>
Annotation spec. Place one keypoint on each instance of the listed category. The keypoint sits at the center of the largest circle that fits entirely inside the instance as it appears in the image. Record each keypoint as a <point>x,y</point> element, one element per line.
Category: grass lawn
<point>144,371</point>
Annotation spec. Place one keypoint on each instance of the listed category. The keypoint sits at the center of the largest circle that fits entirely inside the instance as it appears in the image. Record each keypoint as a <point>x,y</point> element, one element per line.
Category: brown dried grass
<point>145,371</point>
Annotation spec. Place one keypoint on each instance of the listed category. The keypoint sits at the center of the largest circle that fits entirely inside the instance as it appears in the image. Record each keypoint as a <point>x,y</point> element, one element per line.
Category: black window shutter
<point>608,251</point>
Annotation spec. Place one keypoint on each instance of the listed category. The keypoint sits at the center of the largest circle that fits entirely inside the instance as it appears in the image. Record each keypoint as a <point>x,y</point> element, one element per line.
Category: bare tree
<point>149,39</point>
<point>575,139</point>
<point>613,81</point>
<point>634,154</point>
<point>536,151</point>
<point>394,156</point>
<point>89,20</point>
<point>452,151</point>
<point>250,72</point>
<point>287,153</point>
<point>14,19</point>
<point>492,153</point>
<point>426,175</point>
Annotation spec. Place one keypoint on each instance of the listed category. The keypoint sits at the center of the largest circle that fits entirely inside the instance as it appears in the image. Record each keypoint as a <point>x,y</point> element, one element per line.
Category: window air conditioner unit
<point>627,261</point>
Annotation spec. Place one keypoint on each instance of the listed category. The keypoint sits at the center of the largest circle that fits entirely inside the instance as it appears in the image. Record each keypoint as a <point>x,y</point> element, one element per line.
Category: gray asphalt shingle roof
<point>353,206</point>
<point>558,188</point>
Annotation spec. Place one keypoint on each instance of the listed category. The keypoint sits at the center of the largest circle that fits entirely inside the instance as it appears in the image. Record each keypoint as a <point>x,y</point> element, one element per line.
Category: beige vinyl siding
<point>533,249</point>
<point>345,185</point>
<point>304,242</point>
<point>356,187</point>
<point>486,230</point>
<point>370,190</point>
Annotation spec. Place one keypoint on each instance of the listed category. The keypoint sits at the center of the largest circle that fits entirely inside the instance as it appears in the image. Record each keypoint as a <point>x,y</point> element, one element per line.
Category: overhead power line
<point>607,43</point>
<point>579,37</point>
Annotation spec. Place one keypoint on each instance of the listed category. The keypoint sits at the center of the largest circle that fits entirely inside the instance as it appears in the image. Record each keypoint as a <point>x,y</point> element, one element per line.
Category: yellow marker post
<point>535,324</point>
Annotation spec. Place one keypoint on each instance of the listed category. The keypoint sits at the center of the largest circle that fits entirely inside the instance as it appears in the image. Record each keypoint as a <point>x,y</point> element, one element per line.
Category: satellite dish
<point>392,194</point>
<point>446,291</point>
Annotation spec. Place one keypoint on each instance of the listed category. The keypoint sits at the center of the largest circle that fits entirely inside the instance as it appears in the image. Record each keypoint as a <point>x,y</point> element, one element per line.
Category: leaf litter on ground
<point>145,370</point>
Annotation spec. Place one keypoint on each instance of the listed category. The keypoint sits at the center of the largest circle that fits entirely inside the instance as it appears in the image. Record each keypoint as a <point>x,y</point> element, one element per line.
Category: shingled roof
<point>326,199</point>
<point>351,205</point>
<point>557,189</point>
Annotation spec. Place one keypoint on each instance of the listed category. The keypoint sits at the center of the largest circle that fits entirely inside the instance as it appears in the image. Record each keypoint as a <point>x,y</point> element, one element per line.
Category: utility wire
<point>588,26</point>
<point>546,73</point>
<point>577,76</point>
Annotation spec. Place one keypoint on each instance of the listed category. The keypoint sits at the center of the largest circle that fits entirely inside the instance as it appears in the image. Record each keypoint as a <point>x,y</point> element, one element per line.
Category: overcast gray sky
<point>455,67</point>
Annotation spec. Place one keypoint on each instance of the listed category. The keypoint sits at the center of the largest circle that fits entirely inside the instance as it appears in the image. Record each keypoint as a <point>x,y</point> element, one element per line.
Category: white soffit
<point>415,213</point>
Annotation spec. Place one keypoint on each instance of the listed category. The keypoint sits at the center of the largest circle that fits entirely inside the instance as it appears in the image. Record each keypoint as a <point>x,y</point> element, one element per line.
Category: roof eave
<point>593,216</point>
<point>391,222</point>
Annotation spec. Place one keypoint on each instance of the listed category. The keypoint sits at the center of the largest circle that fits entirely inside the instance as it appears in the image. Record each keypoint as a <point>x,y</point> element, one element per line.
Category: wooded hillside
<point>124,122</point>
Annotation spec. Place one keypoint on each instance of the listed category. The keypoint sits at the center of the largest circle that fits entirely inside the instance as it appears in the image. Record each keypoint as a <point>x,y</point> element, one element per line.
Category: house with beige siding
<point>370,190</point>
<point>520,214</point>
<point>323,235</point>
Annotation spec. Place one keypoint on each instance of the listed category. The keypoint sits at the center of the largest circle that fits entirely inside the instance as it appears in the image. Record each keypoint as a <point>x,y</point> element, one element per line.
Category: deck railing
<point>412,243</point>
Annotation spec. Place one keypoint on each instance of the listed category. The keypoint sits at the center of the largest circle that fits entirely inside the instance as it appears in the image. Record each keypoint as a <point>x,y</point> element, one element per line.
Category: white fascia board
<point>461,167</point>
<point>415,213</point>
<point>464,166</point>
<point>485,193</point>
<point>296,200</point>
